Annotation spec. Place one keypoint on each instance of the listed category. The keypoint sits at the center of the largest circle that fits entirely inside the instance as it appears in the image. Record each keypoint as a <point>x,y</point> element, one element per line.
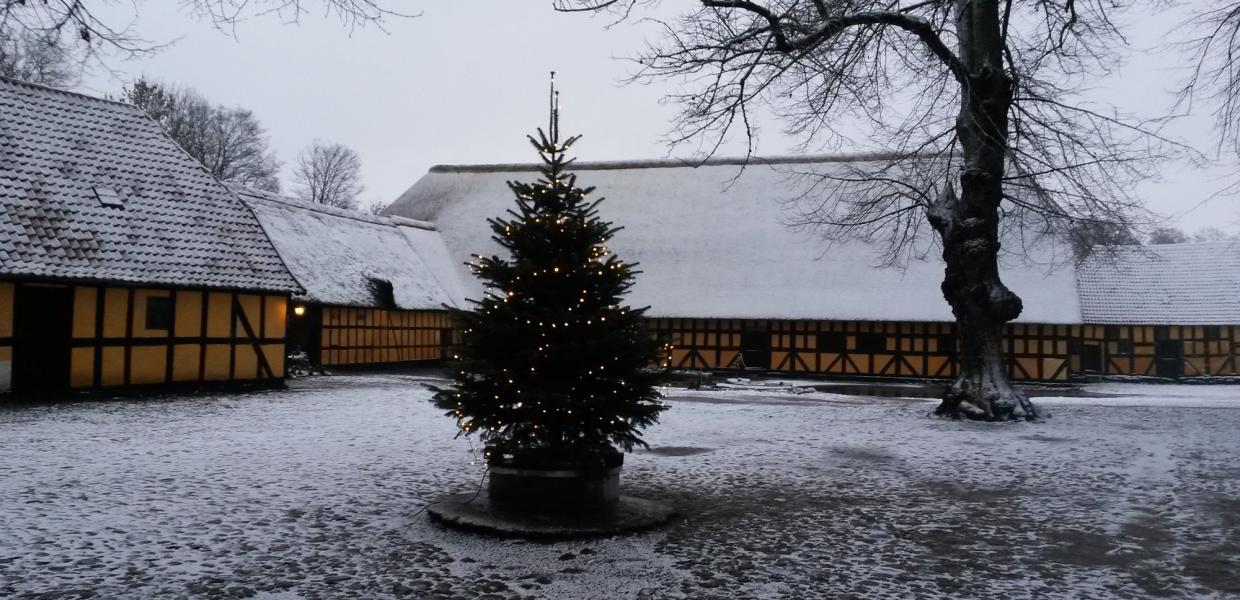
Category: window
<point>870,343</point>
<point>159,312</point>
<point>109,197</point>
<point>1123,347</point>
<point>947,345</point>
<point>1212,332</point>
<point>832,342</point>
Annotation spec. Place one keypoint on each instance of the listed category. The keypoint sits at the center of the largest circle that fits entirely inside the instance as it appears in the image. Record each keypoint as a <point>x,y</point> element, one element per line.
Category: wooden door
<point>42,328</point>
<point>1169,358</point>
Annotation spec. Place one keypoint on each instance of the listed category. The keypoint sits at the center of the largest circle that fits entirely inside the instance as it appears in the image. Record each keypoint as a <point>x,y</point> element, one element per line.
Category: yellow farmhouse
<point>122,261</point>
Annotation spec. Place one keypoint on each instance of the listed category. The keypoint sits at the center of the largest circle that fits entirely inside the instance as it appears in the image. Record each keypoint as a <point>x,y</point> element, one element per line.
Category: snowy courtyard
<point>315,492</point>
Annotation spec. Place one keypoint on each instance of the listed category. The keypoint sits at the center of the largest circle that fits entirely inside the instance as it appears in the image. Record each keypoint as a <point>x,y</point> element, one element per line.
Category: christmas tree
<point>549,359</point>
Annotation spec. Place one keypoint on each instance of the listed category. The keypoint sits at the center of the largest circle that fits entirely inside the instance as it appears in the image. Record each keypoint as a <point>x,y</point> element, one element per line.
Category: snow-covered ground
<point>314,492</point>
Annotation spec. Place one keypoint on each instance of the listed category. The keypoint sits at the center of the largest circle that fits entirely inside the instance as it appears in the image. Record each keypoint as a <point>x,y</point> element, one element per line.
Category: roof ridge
<point>1176,247</point>
<point>668,163</point>
<point>56,90</point>
<point>335,211</point>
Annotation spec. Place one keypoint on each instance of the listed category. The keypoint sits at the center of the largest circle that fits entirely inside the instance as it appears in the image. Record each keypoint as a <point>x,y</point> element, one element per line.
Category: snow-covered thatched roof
<point>1175,284</point>
<point>713,242</point>
<point>348,258</point>
<point>94,190</point>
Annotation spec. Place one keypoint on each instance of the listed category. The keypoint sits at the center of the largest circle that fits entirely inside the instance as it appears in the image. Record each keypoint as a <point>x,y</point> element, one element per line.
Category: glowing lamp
<point>299,310</point>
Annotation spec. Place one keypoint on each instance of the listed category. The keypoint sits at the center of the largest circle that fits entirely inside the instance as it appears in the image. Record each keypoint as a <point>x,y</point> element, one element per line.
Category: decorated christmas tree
<point>550,360</point>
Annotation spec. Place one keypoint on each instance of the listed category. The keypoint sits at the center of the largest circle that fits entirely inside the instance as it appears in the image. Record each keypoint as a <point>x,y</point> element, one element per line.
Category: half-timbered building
<point>376,289</point>
<point>1166,311</point>
<point>122,261</point>
<point>731,285</point>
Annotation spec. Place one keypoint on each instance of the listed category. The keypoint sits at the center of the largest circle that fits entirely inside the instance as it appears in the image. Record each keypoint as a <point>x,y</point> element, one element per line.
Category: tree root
<point>988,401</point>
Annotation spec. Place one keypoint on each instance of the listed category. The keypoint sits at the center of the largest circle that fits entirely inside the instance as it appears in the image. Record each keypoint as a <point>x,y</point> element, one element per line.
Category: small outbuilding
<point>376,289</point>
<point>1167,310</point>
<point>122,261</point>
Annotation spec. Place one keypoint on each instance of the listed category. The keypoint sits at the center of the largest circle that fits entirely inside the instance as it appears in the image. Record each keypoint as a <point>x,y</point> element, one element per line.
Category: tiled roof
<point>1175,284</point>
<point>68,160</point>
<point>346,258</point>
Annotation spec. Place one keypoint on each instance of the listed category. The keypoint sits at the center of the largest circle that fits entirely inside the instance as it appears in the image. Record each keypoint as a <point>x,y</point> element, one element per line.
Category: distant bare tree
<point>1215,234</point>
<point>328,173</point>
<point>1087,236</point>
<point>229,142</point>
<point>976,102</point>
<point>36,58</point>
<point>376,207</point>
<point>1166,235</point>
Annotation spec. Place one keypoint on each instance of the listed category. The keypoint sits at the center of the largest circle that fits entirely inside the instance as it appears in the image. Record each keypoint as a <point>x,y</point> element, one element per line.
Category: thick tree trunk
<point>968,225</point>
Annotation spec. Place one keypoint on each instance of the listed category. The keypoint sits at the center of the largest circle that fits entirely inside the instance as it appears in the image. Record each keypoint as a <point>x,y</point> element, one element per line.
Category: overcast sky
<point>466,81</point>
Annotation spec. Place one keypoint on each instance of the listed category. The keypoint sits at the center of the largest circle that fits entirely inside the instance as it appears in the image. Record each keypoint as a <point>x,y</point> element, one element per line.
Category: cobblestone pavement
<point>314,492</point>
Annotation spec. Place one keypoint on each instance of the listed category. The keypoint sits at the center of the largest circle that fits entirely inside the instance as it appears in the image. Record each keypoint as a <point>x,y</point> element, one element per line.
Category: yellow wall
<point>352,336</point>
<point>112,345</point>
<point>1131,349</point>
<point>865,348</point>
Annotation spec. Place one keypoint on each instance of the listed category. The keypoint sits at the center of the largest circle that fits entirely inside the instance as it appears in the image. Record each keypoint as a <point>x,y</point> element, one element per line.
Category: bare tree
<point>976,103</point>
<point>328,173</point>
<point>229,142</point>
<point>1211,40</point>
<point>84,25</point>
<point>1087,236</point>
<point>36,58</point>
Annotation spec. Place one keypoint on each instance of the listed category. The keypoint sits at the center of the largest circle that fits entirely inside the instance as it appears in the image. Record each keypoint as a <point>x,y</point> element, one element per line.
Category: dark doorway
<point>42,327</point>
<point>305,331</point>
<point>1169,358</point>
<point>1091,358</point>
<point>447,345</point>
<point>756,349</point>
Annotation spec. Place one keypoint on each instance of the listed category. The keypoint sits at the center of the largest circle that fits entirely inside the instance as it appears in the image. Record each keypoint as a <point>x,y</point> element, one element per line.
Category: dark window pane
<point>1124,347</point>
<point>159,313</point>
<point>947,345</point>
<point>832,342</point>
<point>871,343</point>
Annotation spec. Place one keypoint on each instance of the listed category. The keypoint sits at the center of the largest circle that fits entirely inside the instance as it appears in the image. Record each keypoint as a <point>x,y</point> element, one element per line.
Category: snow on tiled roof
<point>1173,284</point>
<point>93,189</point>
<point>712,242</point>
<point>339,256</point>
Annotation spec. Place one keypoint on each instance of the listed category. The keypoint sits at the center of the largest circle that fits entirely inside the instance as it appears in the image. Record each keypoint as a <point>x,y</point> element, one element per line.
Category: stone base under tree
<point>476,512</point>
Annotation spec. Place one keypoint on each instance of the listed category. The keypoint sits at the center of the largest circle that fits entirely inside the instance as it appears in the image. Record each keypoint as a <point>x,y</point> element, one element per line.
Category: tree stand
<point>531,481</point>
<point>543,494</point>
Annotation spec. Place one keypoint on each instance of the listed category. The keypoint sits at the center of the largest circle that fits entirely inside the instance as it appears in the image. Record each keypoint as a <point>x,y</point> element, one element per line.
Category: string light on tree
<point>552,359</point>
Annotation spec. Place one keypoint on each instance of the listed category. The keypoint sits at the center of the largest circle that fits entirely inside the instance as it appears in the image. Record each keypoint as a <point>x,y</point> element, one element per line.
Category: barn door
<point>1169,358</point>
<point>42,325</point>
<point>1091,358</point>
<point>756,349</point>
